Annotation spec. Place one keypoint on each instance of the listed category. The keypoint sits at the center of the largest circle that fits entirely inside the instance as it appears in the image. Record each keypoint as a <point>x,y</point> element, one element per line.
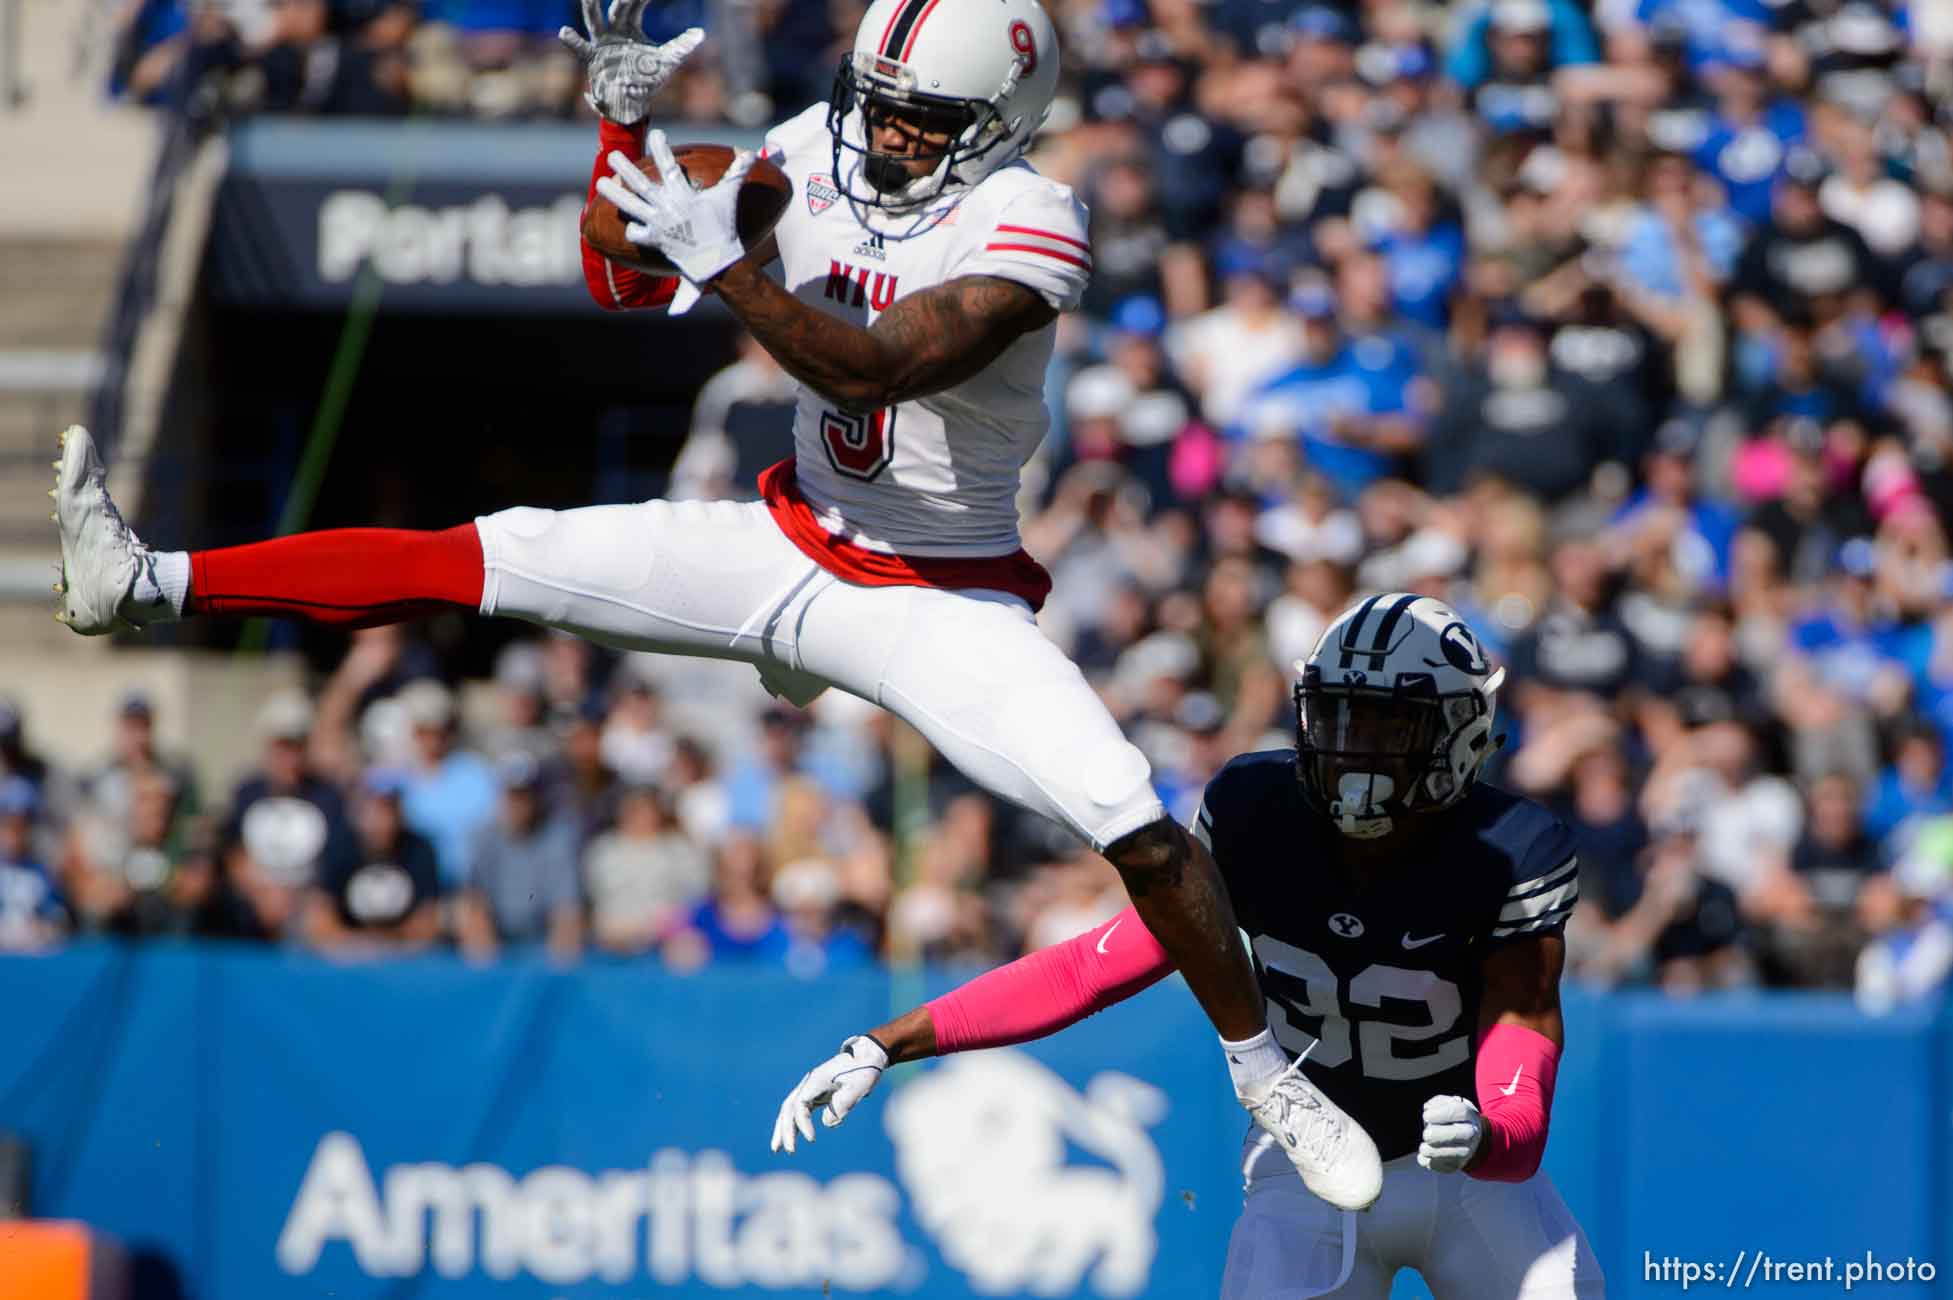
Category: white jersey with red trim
<point>937,476</point>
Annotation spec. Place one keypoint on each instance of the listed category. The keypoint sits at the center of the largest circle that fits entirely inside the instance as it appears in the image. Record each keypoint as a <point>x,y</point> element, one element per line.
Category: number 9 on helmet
<point>982,72</point>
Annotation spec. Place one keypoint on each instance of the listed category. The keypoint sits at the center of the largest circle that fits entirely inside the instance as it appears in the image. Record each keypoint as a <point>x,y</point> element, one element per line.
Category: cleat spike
<point>54,494</point>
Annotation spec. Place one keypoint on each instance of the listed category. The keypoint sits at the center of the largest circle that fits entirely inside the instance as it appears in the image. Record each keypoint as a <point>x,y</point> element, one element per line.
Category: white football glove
<point>697,229</point>
<point>837,1083</point>
<point>624,69</point>
<point>1453,1128</point>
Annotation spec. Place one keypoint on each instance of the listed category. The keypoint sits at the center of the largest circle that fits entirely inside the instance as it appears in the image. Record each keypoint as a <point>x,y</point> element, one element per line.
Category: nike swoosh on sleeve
<point>1108,934</point>
<point>1507,1089</point>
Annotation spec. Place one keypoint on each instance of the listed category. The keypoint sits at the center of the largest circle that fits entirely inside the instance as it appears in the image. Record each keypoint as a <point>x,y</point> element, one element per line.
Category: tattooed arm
<point>925,343</point>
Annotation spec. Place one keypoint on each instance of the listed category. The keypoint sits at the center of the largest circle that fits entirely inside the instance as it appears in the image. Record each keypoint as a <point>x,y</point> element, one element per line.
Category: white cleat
<point>100,556</point>
<point>1337,1160</point>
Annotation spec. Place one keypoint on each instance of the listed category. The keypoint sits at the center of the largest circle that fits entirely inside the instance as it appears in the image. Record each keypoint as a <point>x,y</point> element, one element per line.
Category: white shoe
<point>101,558</point>
<point>1336,1158</point>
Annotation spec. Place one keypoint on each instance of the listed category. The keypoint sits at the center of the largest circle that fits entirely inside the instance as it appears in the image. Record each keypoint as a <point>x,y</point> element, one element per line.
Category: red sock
<point>352,577</point>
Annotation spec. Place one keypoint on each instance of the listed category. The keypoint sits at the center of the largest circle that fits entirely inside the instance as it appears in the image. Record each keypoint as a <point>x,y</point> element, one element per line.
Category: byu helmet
<point>1393,712</point>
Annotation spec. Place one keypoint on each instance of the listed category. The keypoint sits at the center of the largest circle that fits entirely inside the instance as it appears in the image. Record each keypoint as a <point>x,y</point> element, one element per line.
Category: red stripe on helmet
<point>881,46</point>
<point>916,30</point>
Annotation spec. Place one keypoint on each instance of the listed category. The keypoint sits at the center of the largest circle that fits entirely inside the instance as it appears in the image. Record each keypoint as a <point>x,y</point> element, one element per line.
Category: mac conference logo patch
<point>821,194</point>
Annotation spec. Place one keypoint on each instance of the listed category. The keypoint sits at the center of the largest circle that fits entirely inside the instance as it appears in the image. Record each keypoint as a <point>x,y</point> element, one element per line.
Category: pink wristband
<point>1516,1069</point>
<point>1042,992</point>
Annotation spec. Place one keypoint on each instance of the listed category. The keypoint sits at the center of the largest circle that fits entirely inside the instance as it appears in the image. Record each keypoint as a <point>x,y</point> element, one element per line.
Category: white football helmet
<point>1393,714</point>
<point>980,71</point>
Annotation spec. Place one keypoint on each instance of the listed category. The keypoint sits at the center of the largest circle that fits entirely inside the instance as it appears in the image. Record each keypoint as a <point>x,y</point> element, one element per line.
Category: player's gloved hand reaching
<point>1453,1128</point>
<point>625,69</point>
<point>697,229</point>
<point>837,1083</point>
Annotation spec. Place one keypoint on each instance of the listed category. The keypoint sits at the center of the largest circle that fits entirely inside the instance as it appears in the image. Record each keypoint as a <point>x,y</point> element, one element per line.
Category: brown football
<point>763,200</point>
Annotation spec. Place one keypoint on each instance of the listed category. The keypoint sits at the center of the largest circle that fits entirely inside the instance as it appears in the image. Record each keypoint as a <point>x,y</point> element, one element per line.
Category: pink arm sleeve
<point>1042,992</point>
<point>1516,1069</point>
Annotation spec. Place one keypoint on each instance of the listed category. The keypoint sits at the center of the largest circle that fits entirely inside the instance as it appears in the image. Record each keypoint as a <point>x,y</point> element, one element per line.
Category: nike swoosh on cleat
<point>1419,943</point>
<point>1108,934</point>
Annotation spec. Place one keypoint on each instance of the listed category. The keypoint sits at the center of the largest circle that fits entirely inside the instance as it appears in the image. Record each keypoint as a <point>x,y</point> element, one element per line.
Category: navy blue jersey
<point>1383,977</point>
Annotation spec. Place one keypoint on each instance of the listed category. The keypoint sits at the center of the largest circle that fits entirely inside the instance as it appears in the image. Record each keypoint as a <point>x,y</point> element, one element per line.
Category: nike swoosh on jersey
<point>1419,943</point>
<point>1507,1089</point>
<point>1108,934</point>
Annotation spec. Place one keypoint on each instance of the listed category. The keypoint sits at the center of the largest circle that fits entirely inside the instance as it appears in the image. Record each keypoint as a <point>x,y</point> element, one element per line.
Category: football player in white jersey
<point>924,265</point>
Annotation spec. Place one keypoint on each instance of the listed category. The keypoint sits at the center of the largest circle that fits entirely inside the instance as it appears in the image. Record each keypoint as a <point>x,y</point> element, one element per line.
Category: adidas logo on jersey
<point>821,194</point>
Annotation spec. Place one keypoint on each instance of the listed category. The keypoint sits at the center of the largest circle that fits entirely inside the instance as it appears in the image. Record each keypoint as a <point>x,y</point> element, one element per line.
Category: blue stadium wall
<point>262,1125</point>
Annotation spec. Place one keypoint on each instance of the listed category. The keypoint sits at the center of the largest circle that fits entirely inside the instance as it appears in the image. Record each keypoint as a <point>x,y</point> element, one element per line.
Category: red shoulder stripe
<point>1048,234</point>
<point>1033,248</point>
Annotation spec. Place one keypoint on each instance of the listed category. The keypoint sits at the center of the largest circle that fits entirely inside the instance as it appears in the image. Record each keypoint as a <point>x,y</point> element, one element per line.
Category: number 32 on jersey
<point>859,445</point>
<point>1301,985</point>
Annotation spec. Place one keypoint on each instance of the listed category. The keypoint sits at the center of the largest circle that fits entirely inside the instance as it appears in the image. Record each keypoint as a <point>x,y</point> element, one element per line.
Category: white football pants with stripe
<point>968,669</point>
<point>1467,1238</point>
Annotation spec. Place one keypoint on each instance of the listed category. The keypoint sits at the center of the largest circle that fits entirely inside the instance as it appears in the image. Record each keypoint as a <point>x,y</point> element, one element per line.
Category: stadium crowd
<point>1624,327</point>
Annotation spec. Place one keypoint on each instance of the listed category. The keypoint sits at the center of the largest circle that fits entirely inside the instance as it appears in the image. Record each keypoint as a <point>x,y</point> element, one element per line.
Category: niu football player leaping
<point>1406,922</point>
<point>925,263</point>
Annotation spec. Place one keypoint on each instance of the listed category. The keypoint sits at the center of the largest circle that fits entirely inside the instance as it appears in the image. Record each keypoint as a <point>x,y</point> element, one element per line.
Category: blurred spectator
<point>1831,865</point>
<point>1414,227</point>
<point>109,787</point>
<point>523,724</point>
<point>1799,254</point>
<point>1579,645</point>
<point>584,785</point>
<point>1516,416</point>
<point>32,914</point>
<point>635,743</point>
<point>1128,238</point>
<point>1346,401</point>
<point>522,874</point>
<point>16,759</point>
<point>738,922</point>
<point>808,894</point>
<point>642,878</point>
<point>753,784</point>
<point>1926,269</point>
<point>1706,682</point>
<point>1226,353</point>
<point>736,420</point>
<point>1672,924</point>
<point>1911,918</point>
<point>288,815</point>
<point>1916,784</point>
<point>1578,766</point>
<point>1504,44</point>
<point>699,798</point>
<point>450,791</point>
<point>130,867</point>
<point>386,897</point>
<point>1752,130</point>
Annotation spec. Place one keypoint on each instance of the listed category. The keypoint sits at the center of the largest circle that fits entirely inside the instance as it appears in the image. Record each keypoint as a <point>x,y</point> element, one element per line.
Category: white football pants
<point>968,669</point>
<point>1467,1238</point>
